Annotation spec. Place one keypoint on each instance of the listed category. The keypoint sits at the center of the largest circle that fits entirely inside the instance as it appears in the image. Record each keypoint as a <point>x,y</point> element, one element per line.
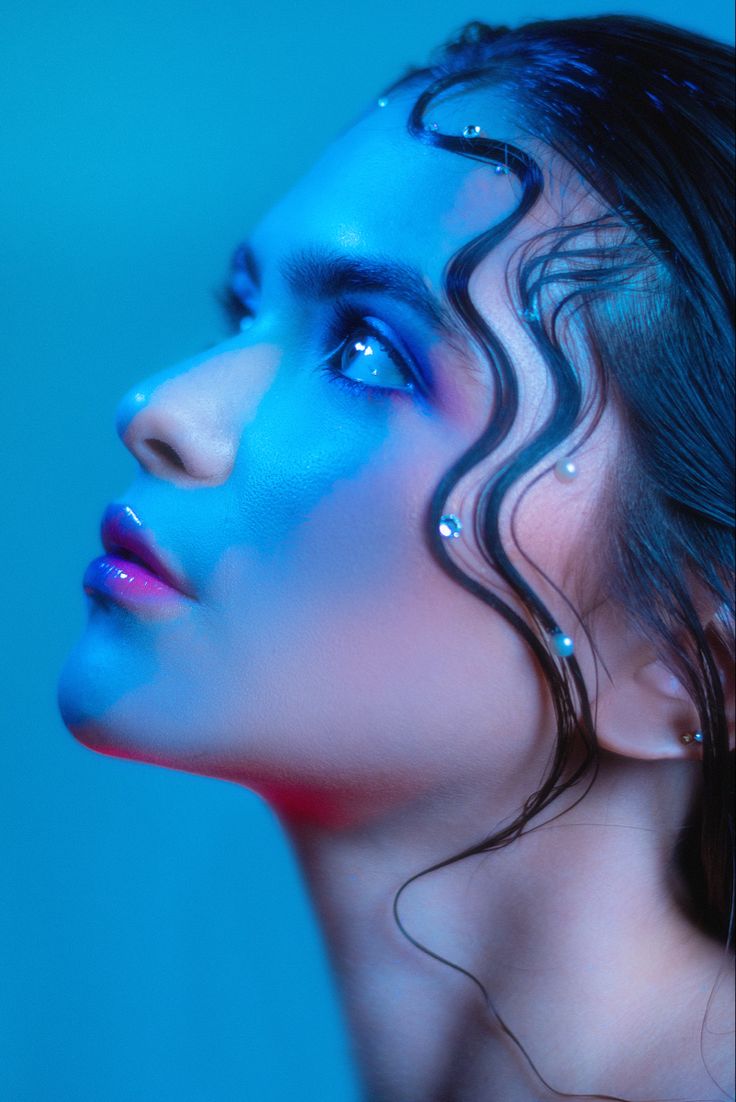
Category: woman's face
<point>324,658</point>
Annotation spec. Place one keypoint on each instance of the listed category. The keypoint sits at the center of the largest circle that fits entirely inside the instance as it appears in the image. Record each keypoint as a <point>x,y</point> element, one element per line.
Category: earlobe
<point>647,714</point>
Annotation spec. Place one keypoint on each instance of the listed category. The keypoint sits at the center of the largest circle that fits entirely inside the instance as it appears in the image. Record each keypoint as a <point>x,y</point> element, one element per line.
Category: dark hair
<point>644,112</point>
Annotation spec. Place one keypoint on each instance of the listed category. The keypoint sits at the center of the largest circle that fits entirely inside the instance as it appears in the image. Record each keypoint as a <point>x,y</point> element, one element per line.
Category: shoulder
<point>719,1028</point>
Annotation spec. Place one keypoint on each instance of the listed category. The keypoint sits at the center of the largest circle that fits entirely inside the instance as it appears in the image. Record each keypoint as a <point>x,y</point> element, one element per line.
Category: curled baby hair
<point>643,111</point>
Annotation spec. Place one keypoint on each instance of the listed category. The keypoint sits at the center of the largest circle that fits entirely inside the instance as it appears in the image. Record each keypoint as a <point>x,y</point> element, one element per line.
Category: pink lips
<point>134,572</point>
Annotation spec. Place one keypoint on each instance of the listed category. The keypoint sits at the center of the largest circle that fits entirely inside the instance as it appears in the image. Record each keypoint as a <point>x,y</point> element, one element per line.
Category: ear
<point>644,710</point>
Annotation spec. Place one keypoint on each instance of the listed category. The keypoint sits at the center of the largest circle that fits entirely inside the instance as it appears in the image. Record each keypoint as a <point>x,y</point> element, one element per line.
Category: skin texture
<point>389,717</point>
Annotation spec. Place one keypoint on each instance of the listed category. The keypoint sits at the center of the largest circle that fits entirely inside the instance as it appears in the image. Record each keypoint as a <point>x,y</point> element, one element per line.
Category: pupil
<point>365,348</point>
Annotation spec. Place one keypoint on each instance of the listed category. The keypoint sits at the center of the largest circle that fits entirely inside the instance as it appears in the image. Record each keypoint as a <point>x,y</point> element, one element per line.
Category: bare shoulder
<point>719,1028</point>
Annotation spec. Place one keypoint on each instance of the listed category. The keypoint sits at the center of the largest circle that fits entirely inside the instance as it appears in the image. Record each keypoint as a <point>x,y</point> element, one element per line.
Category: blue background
<point>156,941</point>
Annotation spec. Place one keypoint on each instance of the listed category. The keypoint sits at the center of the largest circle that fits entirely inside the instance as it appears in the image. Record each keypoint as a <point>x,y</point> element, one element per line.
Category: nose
<point>185,425</point>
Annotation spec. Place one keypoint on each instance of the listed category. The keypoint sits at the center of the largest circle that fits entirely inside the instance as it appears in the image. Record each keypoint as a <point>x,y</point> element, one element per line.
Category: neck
<point>573,930</point>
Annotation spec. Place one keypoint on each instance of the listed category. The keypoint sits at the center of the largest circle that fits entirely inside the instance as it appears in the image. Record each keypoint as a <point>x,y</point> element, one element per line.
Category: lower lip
<point>130,584</point>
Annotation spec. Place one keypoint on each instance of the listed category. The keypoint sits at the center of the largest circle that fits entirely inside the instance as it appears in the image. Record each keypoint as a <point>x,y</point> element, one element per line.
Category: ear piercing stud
<point>691,736</point>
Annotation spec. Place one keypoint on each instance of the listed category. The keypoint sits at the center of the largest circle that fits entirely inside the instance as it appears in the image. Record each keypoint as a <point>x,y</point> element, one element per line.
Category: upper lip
<point>123,533</point>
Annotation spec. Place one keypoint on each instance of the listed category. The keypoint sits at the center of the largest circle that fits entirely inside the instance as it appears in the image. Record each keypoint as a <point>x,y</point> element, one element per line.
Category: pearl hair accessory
<point>692,736</point>
<point>562,644</point>
<point>472,130</point>
<point>565,469</point>
<point>450,526</point>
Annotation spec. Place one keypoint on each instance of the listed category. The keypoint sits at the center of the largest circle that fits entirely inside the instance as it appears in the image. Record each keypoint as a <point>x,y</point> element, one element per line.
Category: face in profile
<point>282,601</point>
<point>296,634</point>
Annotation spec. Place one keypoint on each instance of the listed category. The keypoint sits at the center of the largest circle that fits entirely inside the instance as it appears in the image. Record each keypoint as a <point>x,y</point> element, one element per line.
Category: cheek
<point>306,441</point>
<point>330,649</point>
<point>350,652</point>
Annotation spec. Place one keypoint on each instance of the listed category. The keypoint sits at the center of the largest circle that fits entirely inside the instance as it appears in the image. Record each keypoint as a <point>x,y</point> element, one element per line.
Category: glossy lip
<point>124,536</point>
<point>113,580</point>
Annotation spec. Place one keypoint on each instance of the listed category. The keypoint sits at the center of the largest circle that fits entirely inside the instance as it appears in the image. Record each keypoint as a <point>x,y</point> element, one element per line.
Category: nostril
<point>170,445</point>
<point>165,452</point>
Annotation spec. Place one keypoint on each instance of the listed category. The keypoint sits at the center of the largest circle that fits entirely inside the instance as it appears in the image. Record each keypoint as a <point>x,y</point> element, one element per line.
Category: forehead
<point>377,190</point>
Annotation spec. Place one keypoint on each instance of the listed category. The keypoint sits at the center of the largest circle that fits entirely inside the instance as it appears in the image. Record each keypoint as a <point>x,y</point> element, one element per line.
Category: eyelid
<point>349,320</point>
<point>244,297</point>
<point>239,301</point>
<point>349,317</point>
<point>242,285</point>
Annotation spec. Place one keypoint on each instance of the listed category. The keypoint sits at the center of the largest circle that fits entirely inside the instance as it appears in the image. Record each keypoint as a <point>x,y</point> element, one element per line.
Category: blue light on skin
<point>296,508</point>
<point>327,661</point>
<point>297,516</point>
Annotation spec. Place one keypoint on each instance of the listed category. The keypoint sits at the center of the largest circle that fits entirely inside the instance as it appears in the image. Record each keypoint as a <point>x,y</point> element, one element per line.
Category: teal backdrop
<point>156,940</point>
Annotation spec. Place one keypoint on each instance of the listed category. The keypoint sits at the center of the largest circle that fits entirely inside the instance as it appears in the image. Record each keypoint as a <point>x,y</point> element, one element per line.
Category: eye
<point>368,359</point>
<point>236,298</point>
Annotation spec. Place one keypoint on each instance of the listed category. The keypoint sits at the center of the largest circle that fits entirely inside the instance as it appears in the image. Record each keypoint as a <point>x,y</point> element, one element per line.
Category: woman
<point>435,554</point>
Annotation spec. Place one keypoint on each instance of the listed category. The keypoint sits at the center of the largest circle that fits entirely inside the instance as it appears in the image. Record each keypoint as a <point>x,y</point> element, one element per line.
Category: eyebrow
<point>322,274</point>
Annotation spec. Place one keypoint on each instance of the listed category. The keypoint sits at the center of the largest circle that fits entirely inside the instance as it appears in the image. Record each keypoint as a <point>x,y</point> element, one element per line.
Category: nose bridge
<point>185,424</point>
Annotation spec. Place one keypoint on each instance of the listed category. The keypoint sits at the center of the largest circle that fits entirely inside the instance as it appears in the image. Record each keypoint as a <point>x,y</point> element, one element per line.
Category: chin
<point>84,715</point>
<point>109,706</point>
<point>96,694</point>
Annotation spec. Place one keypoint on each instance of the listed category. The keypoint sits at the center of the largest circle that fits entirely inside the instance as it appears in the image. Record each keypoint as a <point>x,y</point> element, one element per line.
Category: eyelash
<point>347,322</point>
